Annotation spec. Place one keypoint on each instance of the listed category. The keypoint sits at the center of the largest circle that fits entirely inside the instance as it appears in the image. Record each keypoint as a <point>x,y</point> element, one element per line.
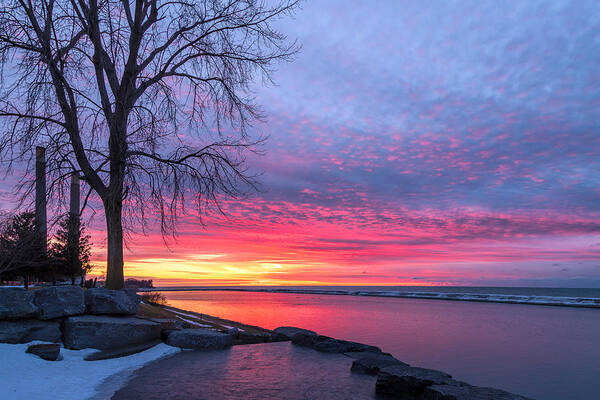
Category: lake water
<point>253,372</point>
<point>539,351</point>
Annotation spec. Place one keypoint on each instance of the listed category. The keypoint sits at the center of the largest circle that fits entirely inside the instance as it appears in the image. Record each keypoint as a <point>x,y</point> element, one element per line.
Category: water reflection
<point>542,352</point>
<point>251,372</point>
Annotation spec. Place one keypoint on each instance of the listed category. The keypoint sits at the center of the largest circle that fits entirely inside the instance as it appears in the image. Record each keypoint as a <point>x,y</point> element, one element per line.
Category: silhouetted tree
<point>71,248</point>
<point>138,283</point>
<point>148,100</point>
<point>21,252</point>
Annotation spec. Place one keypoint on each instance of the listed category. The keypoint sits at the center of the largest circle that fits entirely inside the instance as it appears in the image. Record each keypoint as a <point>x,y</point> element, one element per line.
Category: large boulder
<point>106,301</point>
<point>305,339</point>
<point>467,392</point>
<point>331,345</point>
<point>17,303</point>
<point>59,301</point>
<point>244,337</point>
<point>26,330</point>
<point>287,332</point>
<point>121,351</point>
<point>410,382</point>
<point>45,351</point>
<point>105,332</point>
<point>199,339</point>
<point>371,363</point>
<point>327,344</point>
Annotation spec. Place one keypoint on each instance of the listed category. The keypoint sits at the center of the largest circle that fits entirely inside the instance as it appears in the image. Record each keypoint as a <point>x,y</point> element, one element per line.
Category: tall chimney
<point>74,218</point>
<point>75,195</point>
<point>40,195</point>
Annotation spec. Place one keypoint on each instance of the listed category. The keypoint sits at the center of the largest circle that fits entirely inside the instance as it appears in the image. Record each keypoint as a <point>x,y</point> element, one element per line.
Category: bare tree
<point>148,100</point>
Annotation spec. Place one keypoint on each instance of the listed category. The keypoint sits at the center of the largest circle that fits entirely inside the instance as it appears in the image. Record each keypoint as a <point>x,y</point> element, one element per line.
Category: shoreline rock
<point>400,380</point>
<point>108,332</point>
<point>328,344</point>
<point>199,339</point>
<point>372,363</point>
<point>17,303</point>
<point>27,330</point>
<point>284,333</point>
<point>468,392</point>
<point>406,382</point>
<point>59,301</point>
<point>46,351</point>
<point>100,301</point>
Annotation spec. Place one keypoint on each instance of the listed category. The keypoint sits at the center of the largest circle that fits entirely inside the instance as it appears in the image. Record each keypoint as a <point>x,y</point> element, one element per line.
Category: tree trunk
<point>114,232</point>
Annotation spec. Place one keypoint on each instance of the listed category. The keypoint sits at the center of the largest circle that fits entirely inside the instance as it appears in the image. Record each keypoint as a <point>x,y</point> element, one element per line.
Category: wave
<point>479,297</point>
<point>586,302</point>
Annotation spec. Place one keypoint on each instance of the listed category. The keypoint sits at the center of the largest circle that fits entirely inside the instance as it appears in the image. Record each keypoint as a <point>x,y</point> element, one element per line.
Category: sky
<point>413,143</point>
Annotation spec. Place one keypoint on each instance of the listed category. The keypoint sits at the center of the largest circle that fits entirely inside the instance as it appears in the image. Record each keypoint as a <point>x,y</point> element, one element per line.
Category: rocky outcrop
<point>287,332</point>
<point>372,363</point>
<point>105,332</point>
<point>244,337</point>
<point>327,344</point>
<point>59,301</point>
<point>121,351</point>
<point>46,351</point>
<point>304,339</point>
<point>105,301</point>
<point>17,303</point>
<point>331,345</point>
<point>468,392</point>
<point>404,381</point>
<point>24,331</point>
<point>199,339</point>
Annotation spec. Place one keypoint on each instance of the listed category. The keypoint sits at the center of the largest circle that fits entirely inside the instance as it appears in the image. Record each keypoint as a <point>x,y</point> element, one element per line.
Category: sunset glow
<point>465,151</point>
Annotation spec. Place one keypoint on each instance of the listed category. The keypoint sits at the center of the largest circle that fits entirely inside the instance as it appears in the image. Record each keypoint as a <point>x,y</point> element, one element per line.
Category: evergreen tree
<point>71,248</point>
<point>21,252</point>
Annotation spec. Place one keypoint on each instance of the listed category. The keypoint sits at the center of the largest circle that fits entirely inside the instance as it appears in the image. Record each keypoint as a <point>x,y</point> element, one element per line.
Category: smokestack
<point>75,195</point>
<point>40,195</point>
<point>74,218</point>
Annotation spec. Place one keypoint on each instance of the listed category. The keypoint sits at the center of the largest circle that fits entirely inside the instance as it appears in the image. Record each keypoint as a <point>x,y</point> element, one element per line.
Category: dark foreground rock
<point>467,392</point>
<point>24,331</point>
<point>244,337</point>
<point>17,303</point>
<point>59,301</point>
<point>287,333</point>
<point>372,363</point>
<point>410,382</point>
<point>105,301</point>
<point>330,345</point>
<point>46,351</point>
<point>199,339</point>
<point>104,332</point>
<point>121,352</point>
<point>327,344</point>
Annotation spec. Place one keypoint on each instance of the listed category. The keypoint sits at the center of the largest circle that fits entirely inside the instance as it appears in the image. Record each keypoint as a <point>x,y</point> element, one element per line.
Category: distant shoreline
<point>557,301</point>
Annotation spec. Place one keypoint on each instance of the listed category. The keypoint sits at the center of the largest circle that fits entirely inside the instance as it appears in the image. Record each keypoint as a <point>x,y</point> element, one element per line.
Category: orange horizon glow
<point>246,249</point>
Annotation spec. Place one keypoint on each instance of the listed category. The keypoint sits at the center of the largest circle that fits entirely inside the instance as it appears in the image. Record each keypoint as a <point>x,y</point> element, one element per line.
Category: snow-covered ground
<point>26,376</point>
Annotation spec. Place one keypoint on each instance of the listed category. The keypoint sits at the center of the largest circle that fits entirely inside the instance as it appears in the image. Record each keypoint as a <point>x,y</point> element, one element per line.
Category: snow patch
<point>26,376</point>
<point>189,321</point>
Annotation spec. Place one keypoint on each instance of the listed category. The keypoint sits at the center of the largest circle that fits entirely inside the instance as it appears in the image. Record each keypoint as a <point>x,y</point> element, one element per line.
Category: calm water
<point>538,351</point>
<point>253,372</point>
